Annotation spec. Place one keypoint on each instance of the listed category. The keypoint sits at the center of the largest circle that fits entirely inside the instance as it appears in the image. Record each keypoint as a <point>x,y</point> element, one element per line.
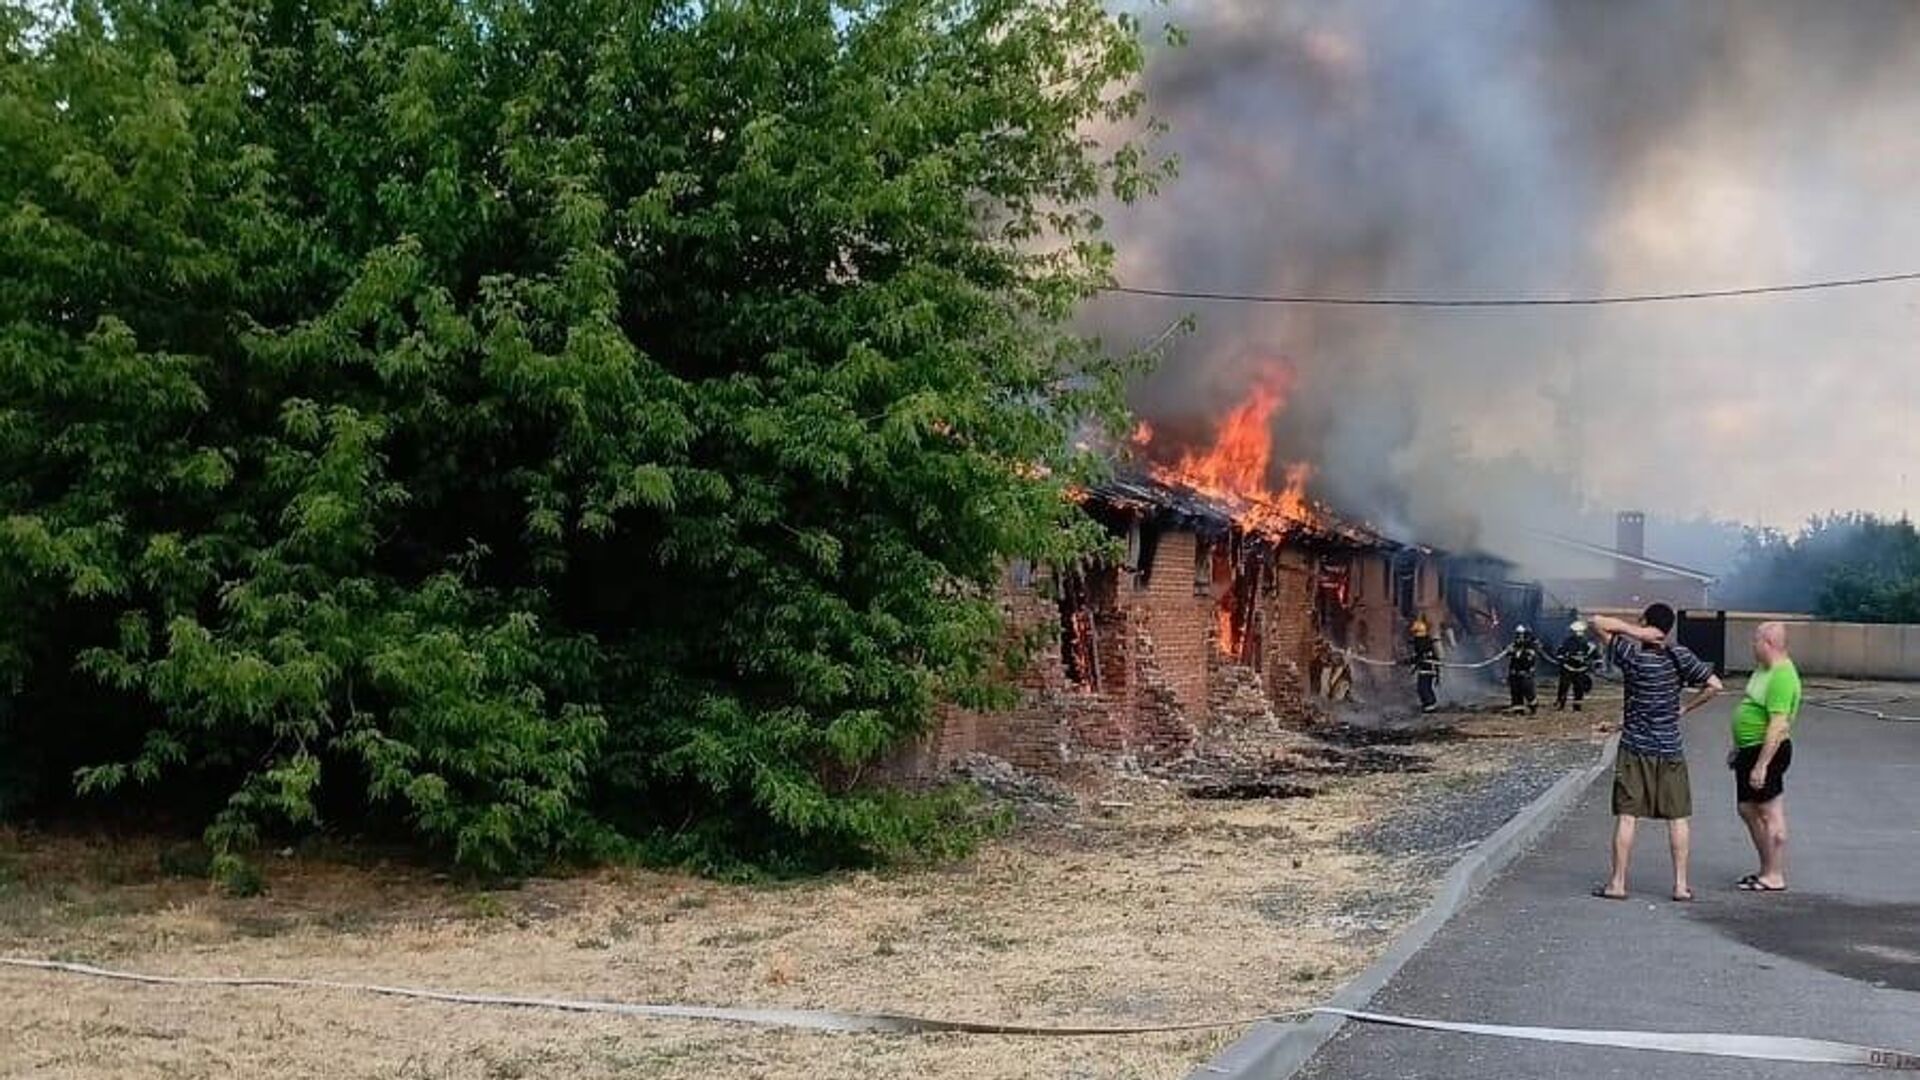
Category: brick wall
<point>1430,597</point>
<point>1289,634</point>
<point>1162,678</point>
<point>1376,627</point>
<point>1178,624</point>
<point>1030,734</point>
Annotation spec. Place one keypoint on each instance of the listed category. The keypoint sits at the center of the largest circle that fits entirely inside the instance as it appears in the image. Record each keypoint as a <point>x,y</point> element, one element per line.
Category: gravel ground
<point>1449,814</point>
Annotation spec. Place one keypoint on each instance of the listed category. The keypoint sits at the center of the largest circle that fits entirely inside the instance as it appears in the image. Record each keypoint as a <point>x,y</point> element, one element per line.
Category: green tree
<point>1849,567</point>
<point>540,424</point>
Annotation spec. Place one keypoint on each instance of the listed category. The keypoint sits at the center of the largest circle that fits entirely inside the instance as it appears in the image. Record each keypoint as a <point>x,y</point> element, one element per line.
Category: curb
<point>1274,1051</point>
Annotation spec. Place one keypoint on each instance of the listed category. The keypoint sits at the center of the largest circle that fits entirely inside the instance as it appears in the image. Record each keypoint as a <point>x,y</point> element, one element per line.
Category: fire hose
<point>1750,1047</point>
<point>1859,707</point>
<point>1360,659</point>
<point>1594,671</point>
<point>1487,663</point>
<point>1850,703</point>
<point>1353,657</point>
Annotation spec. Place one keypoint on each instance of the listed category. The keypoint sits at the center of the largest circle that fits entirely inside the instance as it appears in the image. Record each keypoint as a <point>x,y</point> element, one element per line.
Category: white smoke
<point>1545,147</point>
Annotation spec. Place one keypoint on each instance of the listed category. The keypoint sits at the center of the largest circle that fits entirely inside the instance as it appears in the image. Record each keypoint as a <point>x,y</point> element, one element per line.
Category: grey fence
<point>1833,649</point>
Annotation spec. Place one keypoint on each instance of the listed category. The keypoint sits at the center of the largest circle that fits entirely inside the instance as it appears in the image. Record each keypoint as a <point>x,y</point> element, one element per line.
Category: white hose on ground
<point>1751,1047</point>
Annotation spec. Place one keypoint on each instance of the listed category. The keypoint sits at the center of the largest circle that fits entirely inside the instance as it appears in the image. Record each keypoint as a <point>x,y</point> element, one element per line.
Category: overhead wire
<point>1598,300</point>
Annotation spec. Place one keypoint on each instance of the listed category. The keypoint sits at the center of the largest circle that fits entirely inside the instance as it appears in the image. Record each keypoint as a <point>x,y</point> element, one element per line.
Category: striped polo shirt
<point>1650,720</point>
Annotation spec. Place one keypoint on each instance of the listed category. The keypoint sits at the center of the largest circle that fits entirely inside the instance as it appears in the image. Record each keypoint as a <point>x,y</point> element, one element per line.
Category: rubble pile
<point>1239,703</point>
<point>1267,760</point>
<point>1002,781</point>
<point>1253,788</point>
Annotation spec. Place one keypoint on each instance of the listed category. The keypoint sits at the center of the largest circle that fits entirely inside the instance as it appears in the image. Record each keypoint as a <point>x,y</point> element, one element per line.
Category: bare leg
<point>1623,828</point>
<point>1752,815</point>
<point>1680,839</point>
<point>1773,860</point>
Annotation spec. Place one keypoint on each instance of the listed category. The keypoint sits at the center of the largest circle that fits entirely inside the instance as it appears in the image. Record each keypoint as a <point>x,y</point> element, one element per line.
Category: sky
<point>1543,148</point>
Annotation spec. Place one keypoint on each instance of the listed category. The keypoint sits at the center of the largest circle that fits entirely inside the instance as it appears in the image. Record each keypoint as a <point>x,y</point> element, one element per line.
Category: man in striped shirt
<point>1650,776</point>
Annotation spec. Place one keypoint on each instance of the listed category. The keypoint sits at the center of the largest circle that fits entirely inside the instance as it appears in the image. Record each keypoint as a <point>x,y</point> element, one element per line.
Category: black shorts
<point>1776,785</point>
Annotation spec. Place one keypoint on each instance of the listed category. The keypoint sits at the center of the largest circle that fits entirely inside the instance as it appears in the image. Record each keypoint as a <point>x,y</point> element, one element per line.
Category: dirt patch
<point>1134,903</point>
<point>1251,789</point>
<point>1443,729</point>
<point>1363,761</point>
<point>1279,776</point>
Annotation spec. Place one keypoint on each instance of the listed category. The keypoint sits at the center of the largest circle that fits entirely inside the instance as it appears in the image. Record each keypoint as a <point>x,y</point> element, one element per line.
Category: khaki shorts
<point>1651,787</point>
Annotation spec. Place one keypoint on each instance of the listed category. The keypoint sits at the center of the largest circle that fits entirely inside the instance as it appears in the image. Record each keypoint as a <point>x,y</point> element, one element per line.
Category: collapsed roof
<point>1209,514</point>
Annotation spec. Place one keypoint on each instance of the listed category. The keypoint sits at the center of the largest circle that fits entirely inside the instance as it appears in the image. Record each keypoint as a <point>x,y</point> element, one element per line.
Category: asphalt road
<point>1836,957</point>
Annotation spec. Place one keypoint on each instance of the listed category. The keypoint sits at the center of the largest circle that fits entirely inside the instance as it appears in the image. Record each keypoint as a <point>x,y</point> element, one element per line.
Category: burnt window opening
<point>1336,583</point>
<point>1222,568</point>
<point>1333,599</point>
<point>1202,566</point>
<point>1406,583</point>
<point>1080,629</point>
<point>1143,541</point>
<point>1240,629</point>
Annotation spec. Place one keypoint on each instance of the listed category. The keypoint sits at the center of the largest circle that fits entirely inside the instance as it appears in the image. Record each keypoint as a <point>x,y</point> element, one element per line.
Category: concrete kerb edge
<point>1275,1051</point>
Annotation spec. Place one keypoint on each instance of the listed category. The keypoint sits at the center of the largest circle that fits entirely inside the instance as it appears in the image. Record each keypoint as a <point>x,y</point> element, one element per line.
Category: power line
<point>1514,301</point>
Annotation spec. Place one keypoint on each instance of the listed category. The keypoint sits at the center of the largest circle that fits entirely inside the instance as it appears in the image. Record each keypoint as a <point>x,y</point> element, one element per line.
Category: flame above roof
<point>1310,525</point>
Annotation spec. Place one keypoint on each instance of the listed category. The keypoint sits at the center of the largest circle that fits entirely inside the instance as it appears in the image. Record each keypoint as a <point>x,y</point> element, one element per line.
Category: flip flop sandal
<point>1746,881</point>
<point>1683,898</point>
<point>1756,885</point>
<point>1600,892</point>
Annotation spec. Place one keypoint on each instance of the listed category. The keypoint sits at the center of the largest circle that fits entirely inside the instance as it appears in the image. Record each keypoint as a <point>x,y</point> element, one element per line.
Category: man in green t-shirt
<point>1762,751</point>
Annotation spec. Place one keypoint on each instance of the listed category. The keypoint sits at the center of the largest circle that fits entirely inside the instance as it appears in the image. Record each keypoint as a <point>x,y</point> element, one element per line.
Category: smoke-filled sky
<point>1548,147</point>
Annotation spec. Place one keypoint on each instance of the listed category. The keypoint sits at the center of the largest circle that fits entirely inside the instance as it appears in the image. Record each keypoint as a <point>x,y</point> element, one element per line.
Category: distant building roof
<point>1670,569</point>
<point>1482,556</point>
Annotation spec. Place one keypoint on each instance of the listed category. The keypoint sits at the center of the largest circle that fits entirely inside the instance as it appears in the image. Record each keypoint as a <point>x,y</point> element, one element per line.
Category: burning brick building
<point>1221,613</point>
<point>1228,611</point>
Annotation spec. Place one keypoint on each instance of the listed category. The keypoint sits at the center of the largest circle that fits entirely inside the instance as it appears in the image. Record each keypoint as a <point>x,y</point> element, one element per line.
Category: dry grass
<point>1164,909</point>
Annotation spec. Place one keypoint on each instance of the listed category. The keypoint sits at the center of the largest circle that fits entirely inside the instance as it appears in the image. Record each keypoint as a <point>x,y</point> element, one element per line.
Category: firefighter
<point>1523,657</point>
<point>1423,655</point>
<point>1577,656</point>
<point>1329,673</point>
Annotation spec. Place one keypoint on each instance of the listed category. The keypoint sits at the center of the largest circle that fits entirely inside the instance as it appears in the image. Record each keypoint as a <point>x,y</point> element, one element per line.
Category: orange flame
<point>1240,460</point>
<point>1236,464</point>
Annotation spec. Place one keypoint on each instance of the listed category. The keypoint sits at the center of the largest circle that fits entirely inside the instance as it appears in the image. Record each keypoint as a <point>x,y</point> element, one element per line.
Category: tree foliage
<point>537,424</point>
<point>1848,567</point>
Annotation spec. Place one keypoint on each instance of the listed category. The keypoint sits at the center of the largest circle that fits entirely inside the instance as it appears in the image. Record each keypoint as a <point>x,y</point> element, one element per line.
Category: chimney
<point>1630,538</point>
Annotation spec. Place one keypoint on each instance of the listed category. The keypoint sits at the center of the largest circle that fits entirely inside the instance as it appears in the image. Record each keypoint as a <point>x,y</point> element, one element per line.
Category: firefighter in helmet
<point>1423,655</point>
<point>1523,659</point>
<point>1576,657</point>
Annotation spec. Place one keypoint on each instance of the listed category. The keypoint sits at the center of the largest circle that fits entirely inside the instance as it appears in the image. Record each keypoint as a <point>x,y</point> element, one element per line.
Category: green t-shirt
<point>1775,690</point>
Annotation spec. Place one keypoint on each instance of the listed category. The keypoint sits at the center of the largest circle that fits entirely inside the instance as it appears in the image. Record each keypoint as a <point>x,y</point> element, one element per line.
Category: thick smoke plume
<point>1546,147</point>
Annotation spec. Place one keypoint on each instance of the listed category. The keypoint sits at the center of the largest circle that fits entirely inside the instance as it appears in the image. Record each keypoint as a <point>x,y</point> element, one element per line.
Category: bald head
<point>1770,643</point>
